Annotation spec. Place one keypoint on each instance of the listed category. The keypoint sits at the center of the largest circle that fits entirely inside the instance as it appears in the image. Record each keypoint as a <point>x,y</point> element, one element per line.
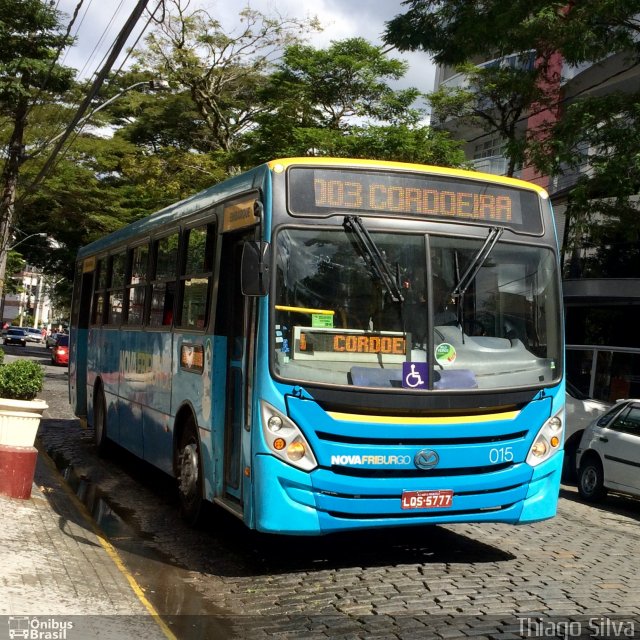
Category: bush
<point>21,380</point>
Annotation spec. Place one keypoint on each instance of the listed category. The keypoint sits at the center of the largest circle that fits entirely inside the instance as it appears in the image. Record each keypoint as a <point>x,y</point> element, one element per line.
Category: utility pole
<point>95,87</point>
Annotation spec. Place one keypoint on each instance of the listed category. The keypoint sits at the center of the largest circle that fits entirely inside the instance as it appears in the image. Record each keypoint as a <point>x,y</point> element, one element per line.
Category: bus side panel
<point>144,401</point>
<point>78,372</point>
<point>213,462</point>
<point>157,421</point>
<point>103,354</point>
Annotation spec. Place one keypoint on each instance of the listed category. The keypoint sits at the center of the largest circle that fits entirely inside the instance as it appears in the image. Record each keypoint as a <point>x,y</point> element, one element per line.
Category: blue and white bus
<point>320,345</point>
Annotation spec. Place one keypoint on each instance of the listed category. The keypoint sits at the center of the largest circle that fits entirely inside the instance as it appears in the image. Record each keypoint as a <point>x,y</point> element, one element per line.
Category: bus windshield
<point>338,321</point>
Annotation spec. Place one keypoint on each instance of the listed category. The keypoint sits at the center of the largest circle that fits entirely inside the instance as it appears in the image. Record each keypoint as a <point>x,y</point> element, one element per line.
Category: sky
<point>99,22</point>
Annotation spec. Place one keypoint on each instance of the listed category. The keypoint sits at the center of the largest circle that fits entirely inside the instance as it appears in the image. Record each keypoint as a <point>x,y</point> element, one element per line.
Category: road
<point>576,574</point>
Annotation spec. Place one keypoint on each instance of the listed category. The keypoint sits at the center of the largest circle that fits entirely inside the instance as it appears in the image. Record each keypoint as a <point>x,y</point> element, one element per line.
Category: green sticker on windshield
<point>322,320</point>
<point>445,353</point>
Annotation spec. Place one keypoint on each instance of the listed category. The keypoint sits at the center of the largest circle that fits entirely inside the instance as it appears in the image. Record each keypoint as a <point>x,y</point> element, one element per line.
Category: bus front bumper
<point>293,502</point>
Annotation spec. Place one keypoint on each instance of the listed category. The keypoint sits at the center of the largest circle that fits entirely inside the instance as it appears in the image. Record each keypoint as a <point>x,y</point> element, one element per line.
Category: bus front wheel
<point>189,474</point>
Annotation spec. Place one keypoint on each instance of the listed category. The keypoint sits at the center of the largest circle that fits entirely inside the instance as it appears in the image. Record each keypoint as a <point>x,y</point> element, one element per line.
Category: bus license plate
<point>427,499</point>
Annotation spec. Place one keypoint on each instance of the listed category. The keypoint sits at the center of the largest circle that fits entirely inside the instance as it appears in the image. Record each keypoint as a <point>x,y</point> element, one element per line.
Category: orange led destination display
<point>332,344</point>
<point>319,190</point>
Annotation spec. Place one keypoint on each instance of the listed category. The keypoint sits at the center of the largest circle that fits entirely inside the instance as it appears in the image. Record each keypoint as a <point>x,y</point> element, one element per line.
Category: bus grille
<point>420,442</point>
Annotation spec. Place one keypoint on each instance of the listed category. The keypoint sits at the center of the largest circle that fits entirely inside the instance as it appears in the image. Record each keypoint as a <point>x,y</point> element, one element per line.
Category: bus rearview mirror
<point>255,268</point>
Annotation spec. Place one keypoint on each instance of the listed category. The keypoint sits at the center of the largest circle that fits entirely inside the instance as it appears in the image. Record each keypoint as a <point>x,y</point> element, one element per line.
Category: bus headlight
<point>547,441</point>
<point>285,440</point>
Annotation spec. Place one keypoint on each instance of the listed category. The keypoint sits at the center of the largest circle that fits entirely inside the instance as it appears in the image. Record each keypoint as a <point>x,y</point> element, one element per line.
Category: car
<point>34,335</point>
<point>51,340</point>
<point>16,336</point>
<point>60,350</point>
<point>608,456</point>
<point>580,411</point>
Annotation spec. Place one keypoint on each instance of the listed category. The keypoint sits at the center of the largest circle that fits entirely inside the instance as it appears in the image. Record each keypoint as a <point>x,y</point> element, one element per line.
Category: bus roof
<point>285,163</point>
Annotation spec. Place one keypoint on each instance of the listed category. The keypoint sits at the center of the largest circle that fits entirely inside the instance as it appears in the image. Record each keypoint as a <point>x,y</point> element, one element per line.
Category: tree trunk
<point>10,182</point>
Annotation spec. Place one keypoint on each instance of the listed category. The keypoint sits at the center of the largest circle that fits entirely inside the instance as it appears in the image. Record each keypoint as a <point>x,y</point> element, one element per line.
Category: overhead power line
<point>118,45</point>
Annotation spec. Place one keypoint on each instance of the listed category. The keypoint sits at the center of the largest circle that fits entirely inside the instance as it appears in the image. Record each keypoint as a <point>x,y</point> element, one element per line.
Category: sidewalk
<point>58,575</point>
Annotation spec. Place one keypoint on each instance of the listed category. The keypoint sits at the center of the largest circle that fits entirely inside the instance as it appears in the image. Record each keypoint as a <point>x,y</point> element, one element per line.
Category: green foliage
<point>223,71</point>
<point>496,99</point>
<point>21,380</point>
<point>337,102</point>
<point>27,61</point>
<point>456,31</point>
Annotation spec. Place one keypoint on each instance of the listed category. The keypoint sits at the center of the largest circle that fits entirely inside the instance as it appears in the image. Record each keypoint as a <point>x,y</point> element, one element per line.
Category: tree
<point>30,42</point>
<point>222,72</point>
<point>457,31</point>
<point>338,102</point>
<point>497,99</point>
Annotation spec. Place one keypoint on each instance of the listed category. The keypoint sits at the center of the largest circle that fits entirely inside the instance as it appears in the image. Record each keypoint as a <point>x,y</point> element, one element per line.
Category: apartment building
<point>602,309</point>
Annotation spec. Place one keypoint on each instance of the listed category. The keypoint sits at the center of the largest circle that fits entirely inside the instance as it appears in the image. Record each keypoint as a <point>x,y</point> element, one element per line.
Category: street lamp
<point>42,234</point>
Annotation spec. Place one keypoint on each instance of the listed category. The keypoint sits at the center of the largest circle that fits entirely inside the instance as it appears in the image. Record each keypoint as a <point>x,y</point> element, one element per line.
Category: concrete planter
<point>19,422</point>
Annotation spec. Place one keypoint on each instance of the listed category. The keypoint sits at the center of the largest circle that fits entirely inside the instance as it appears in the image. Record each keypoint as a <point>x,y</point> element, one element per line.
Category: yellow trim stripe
<point>489,417</point>
<point>111,552</point>
<point>283,163</point>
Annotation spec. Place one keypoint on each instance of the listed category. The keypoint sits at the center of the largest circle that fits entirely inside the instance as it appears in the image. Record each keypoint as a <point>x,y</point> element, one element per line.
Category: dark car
<point>16,336</point>
<point>60,350</point>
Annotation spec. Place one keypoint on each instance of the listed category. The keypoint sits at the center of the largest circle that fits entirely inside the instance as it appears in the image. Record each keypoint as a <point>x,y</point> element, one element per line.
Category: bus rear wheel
<point>100,422</point>
<point>189,474</point>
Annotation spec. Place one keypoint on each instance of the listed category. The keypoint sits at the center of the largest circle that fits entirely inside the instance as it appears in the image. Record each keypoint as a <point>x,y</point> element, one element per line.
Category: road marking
<point>111,551</point>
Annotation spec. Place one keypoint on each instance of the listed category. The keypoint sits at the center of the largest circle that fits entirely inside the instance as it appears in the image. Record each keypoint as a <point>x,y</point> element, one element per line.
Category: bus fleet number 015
<point>502,454</point>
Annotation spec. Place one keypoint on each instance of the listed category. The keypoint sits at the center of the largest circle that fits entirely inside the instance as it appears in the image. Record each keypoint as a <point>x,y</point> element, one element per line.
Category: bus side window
<point>116,288</point>
<point>195,277</point>
<point>137,285</point>
<point>99,292</point>
<point>163,283</point>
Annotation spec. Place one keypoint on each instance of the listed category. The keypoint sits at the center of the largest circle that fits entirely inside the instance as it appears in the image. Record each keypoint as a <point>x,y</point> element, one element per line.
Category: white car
<point>608,456</point>
<point>580,411</point>
<point>34,335</point>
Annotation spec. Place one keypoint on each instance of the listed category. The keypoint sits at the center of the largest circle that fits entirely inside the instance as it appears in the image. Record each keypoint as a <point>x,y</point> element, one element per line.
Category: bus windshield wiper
<point>476,262</point>
<point>465,280</point>
<point>372,254</point>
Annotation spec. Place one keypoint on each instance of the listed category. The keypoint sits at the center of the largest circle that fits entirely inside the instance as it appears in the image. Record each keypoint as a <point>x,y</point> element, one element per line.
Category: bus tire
<point>100,422</point>
<point>189,474</point>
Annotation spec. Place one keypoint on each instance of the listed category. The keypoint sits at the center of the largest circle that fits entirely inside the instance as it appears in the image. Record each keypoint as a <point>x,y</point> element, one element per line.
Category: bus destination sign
<point>433,196</point>
<point>354,345</point>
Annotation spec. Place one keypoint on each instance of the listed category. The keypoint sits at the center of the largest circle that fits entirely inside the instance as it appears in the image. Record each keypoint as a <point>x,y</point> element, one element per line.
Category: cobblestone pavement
<point>578,574</point>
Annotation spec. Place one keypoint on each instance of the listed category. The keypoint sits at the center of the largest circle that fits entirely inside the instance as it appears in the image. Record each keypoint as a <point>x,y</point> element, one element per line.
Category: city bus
<point>320,345</point>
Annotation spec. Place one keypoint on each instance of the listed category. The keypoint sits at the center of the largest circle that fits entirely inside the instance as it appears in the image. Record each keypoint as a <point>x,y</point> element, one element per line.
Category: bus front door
<point>234,320</point>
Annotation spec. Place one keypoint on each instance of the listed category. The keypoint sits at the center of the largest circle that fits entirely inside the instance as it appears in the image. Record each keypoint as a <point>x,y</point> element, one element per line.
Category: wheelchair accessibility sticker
<point>415,375</point>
